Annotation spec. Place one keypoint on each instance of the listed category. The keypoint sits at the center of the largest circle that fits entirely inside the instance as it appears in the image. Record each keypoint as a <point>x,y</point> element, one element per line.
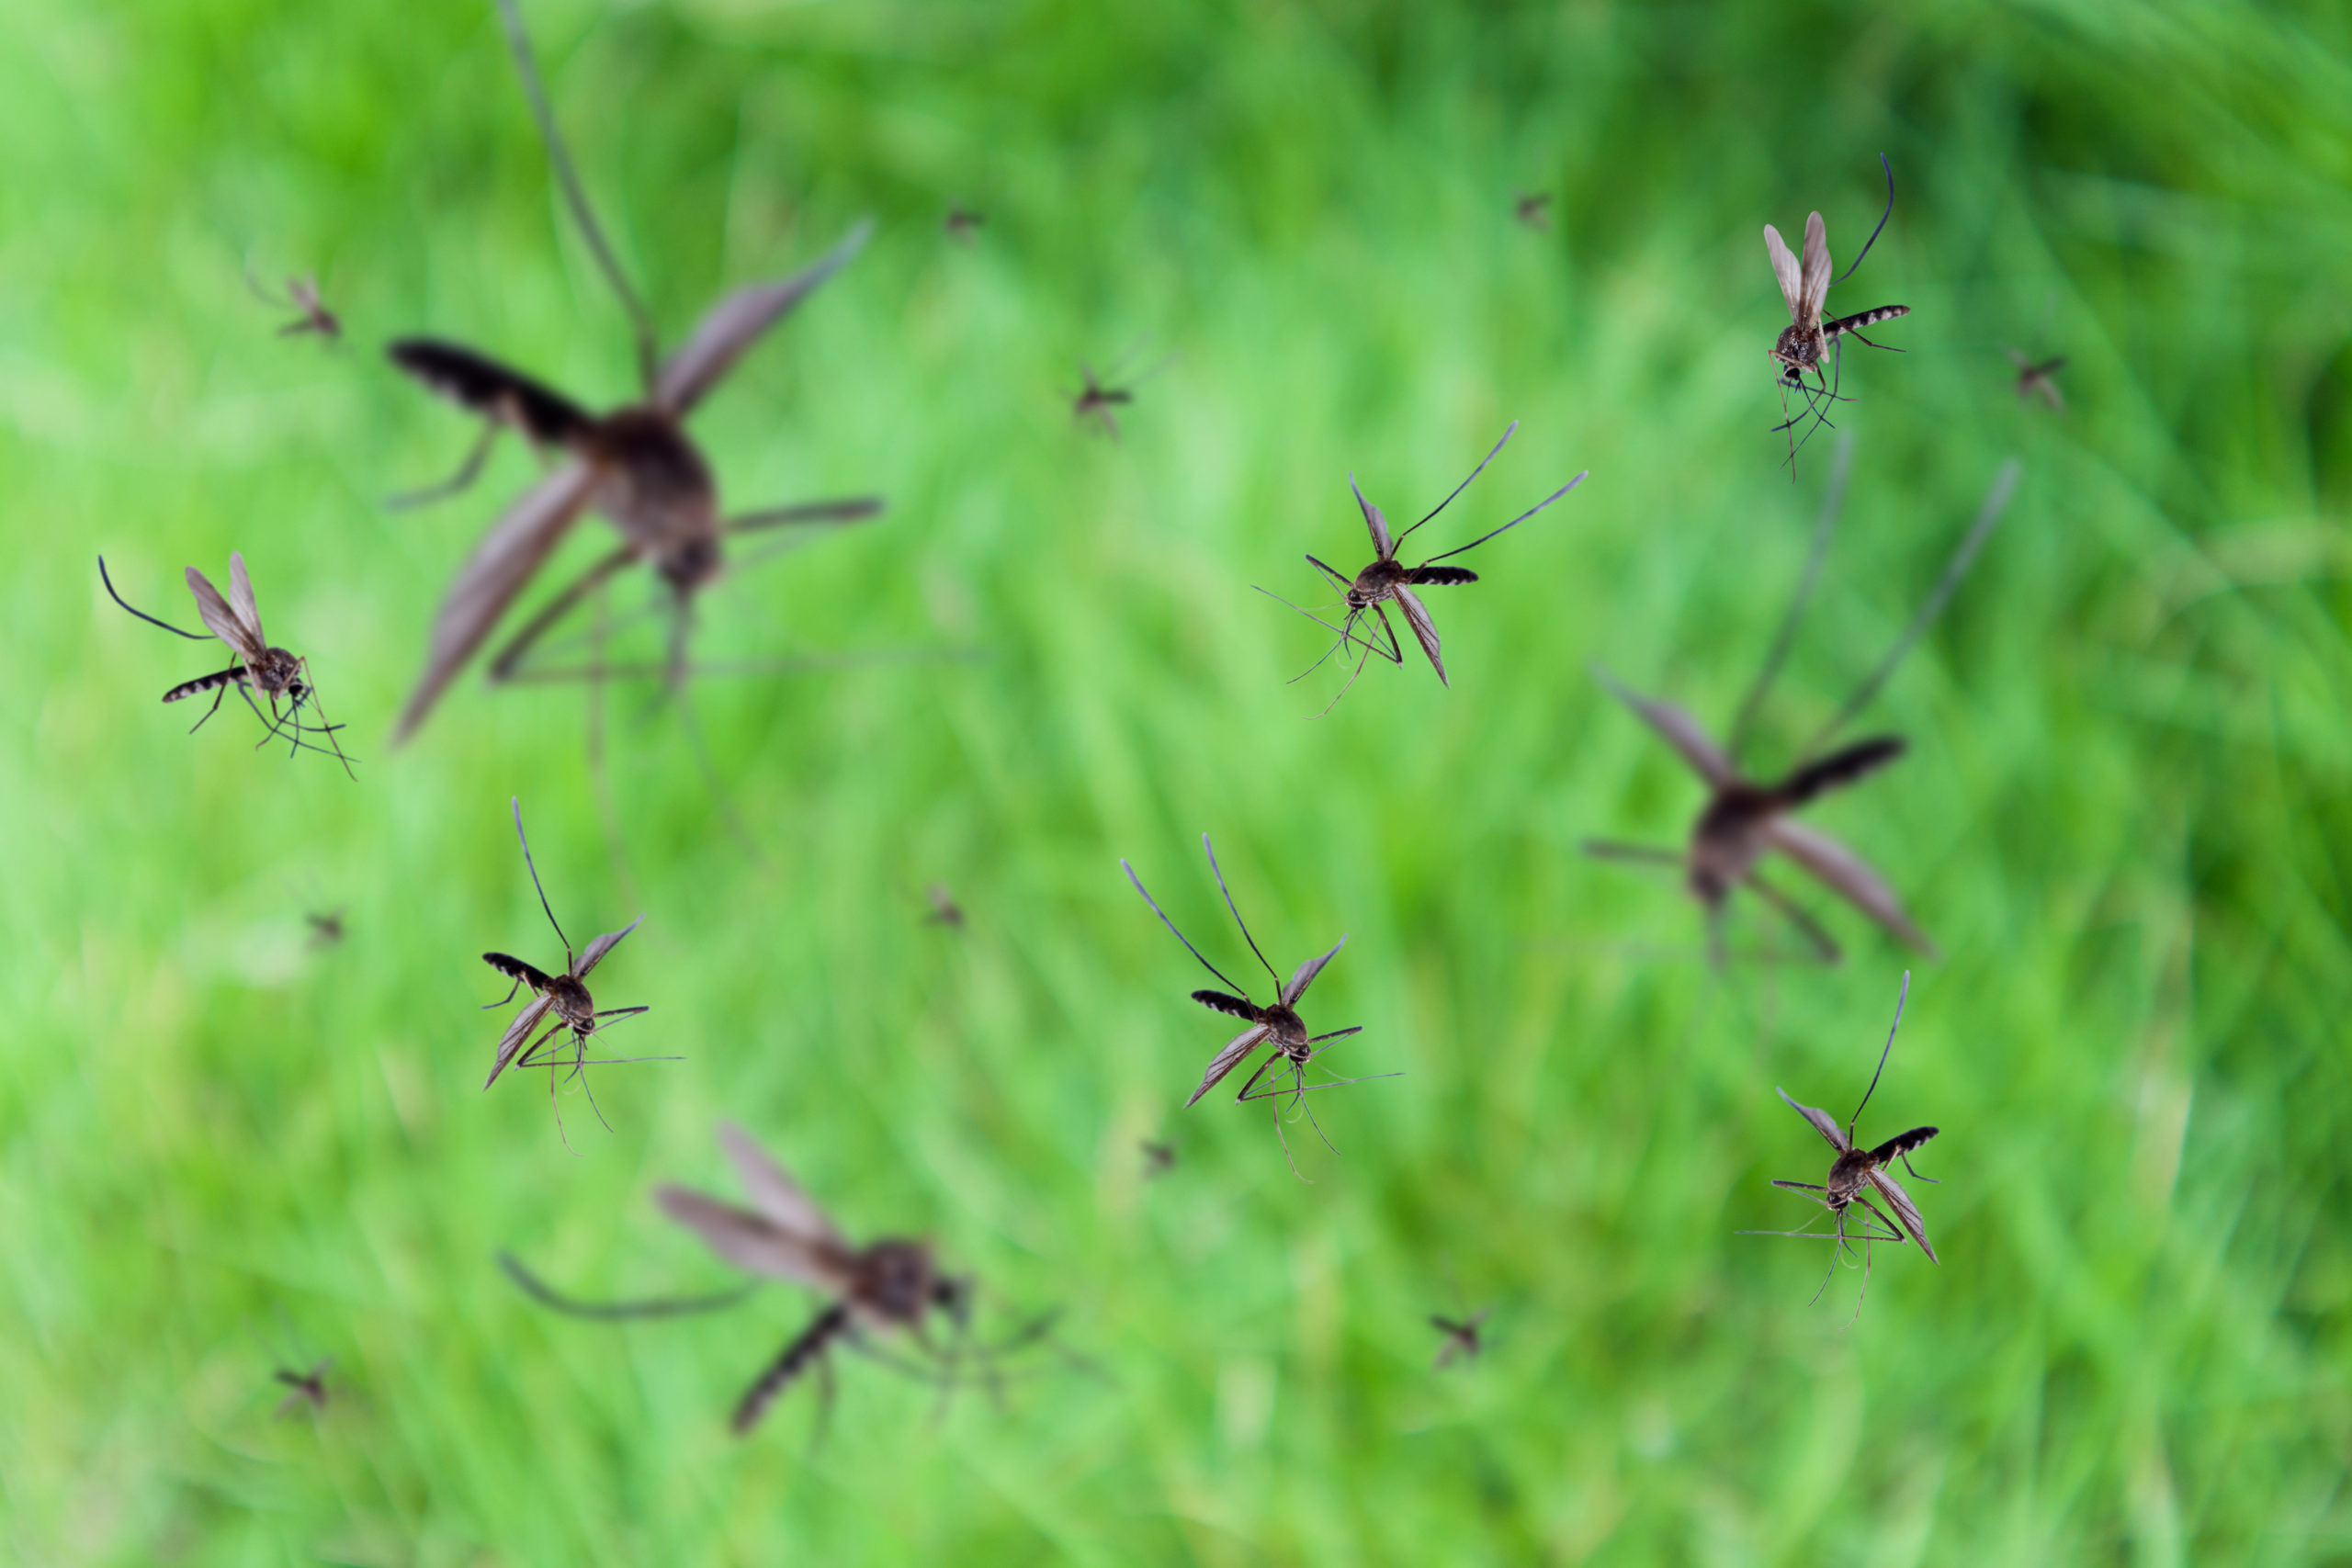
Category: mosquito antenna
<point>1881,221</point>
<point>1236,914</point>
<point>1831,502</point>
<point>519,41</point>
<point>1996,501</point>
<point>1460,488</point>
<point>1174,932</point>
<point>1901,998</point>
<point>542,892</point>
<point>612,1312</point>
<point>143,615</point>
<point>1513,522</point>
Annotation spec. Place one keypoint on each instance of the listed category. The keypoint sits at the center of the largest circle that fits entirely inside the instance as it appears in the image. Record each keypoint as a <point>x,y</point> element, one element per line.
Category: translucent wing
<point>771,1190</point>
<point>217,616</point>
<point>491,579</point>
<point>516,1032</point>
<point>241,598</point>
<point>1907,1212</point>
<point>603,945</point>
<point>1816,268</point>
<point>1678,729</point>
<point>1784,267</point>
<point>1374,520</point>
<point>1236,1049</point>
<point>1424,629</point>
<point>1844,872</point>
<point>1823,1123</point>
<point>751,1243</point>
<point>737,322</point>
<point>1305,977</point>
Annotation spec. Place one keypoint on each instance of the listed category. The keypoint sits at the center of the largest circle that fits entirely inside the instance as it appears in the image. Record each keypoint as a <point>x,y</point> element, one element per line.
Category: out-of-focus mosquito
<point>636,465</point>
<point>565,996</point>
<point>1807,340</point>
<point>309,1388</point>
<point>945,911</point>
<point>1534,210</point>
<point>272,671</point>
<point>1745,820</point>
<point>2039,378</point>
<point>964,224</point>
<point>1858,1174</point>
<point>1114,389</point>
<point>1389,581</point>
<point>1462,1334</point>
<point>1277,1023</point>
<point>301,297</point>
<point>326,930</point>
<point>1158,1158</point>
<point>883,1290</point>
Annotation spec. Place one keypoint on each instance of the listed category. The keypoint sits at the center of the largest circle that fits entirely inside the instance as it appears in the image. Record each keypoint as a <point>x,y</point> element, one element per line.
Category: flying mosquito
<point>945,911</point>
<point>1858,1174</point>
<point>964,224</point>
<point>1277,1024</point>
<point>326,930</point>
<point>272,671</point>
<point>1159,1159</point>
<point>2039,380</point>
<point>1533,209</point>
<point>884,1289</point>
<point>309,1388</point>
<point>1461,1337</point>
<point>636,465</point>
<point>565,995</point>
<point>1807,340</point>
<point>1099,395</point>
<point>1746,819</point>
<point>301,297</point>
<point>1389,581</point>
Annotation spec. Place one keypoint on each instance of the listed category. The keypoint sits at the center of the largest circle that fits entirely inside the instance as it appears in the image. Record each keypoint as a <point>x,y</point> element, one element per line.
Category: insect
<point>1389,581</point>
<point>945,911</point>
<point>964,223</point>
<point>1159,1159</point>
<point>325,930</point>
<point>636,465</point>
<point>309,1388</point>
<point>1461,1337</point>
<point>258,666</point>
<point>2039,380</point>
<point>565,996</point>
<point>301,296</point>
<point>1096,398</point>
<point>1860,1174</point>
<point>1807,340</point>
<point>1277,1024</point>
<point>1533,209</point>
<point>1746,819</point>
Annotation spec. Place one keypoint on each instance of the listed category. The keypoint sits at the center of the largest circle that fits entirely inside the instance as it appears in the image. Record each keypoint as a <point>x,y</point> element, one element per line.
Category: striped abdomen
<point>1861,318</point>
<point>479,382</point>
<point>812,1343</point>
<point>204,684</point>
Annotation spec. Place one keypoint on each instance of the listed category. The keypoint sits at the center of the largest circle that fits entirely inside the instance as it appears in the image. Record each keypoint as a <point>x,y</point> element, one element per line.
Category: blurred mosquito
<point>964,224</point>
<point>1277,1023</point>
<point>1159,1159</point>
<point>309,1388</point>
<point>945,911</point>
<point>1533,209</point>
<point>1099,395</point>
<point>301,296</point>
<point>1744,819</point>
<point>272,671</point>
<point>325,930</point>
<point>2039,378</point>
<point>1858,1174</point>
<point>1807,340</point>
<point>636,465</point>
<point>1462,1334</point>
<point>885,1290</point>
<point>1388,581</point>
<point>565,995</point>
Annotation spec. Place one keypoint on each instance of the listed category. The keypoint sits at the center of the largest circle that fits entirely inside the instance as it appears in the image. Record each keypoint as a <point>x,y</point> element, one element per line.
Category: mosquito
<point>964,224</point>
<point>945,911</point>
<point>1858,1174</point>
<point>2039,380</point>
<point>272,671</point>
<point>1277,1024</point>
<point>1805,342</point>
<point>1099,395</point>
<point>1746,819</point>
<point>1533,211</point>
<point>326,930</point>
<point>1389,581</point>
<point>565,995</point>
<point>636,465</point>
<point>301,297</point>
<point>309,1388</point>
<point>1159,1159</point>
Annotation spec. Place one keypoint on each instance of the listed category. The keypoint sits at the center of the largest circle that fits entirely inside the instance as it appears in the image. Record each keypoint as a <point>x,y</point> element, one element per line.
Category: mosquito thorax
<point>1725,843</point>
<point>1284,1028</point>
<point>573,1003</point>
<point>278,670</point>
<point>1376,583</point>
<point>896,1280</point>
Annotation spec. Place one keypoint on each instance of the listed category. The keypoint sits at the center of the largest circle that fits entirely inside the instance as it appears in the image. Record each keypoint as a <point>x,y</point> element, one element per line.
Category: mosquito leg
<point>1637,854</point>
<point>468,471</point>
<point>1864,1293</point>
<point>817,1429</point>
<point>1825,950</point>
<point>219,692</point>
<point>851,509</point>
<point>502,667</point>
<point>600,777</point>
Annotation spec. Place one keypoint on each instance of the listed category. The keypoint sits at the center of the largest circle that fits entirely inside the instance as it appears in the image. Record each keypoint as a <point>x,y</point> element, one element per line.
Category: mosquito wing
<point>1678,729</point>
<point>1236,1049</point>
<point>1817,269</point>
<point>241,598</point>
<point>1374,520</point>
<point>604,944</point>
<point>1305,977</point>
<point>1424,629</point>
<point>1784,267</point>
<point>754,1243</point>
<point>1822,1123</point>
<point>516,1032</point>
<point>736,322</point>
<point>221,620</point>
<point>771,1190</point>
<point>1845,874</point>
<point>489,581</point>
<point>1907,1212</point>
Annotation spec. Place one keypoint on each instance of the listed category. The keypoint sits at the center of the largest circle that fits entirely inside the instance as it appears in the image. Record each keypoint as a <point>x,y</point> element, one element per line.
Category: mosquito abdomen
<point>1847,765</point>
<point>479,382</point>
<point>1440,576</point>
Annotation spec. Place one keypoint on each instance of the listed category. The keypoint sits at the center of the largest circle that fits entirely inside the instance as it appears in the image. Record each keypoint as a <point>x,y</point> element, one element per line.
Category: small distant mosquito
<point>565,995</point>
<point>2039,380</point>
<point>636,465</point>
<point>1389,581</point>
<point>1533,209</point>
<point>1805,342</point>
<point>272,671</point>
<point>1277,1023</point>
<point>964,224</point>
<point>1462,1334</point>
<point>1745,820</point>
<point>945,911</point>
<point>301,296</point>
<point>309,1388</point>
<point>1159,1159</point>
<point>1099,395</point>
<point>325,930</point>
<point>1858,1174</point>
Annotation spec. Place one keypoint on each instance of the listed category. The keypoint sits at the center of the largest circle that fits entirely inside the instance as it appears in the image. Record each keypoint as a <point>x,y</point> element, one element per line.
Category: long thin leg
<point>1794,913</point>
<point>1636,854</point>
<point>218,692</point>
<point>502,667</point>
<point>615,1312</point>
<point>852,509</point>
<point>1832,504</point>
<point>468,471</point>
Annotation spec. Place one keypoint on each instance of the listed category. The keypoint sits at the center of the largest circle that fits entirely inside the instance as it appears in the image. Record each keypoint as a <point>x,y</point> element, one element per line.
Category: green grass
<point>2125,814</point>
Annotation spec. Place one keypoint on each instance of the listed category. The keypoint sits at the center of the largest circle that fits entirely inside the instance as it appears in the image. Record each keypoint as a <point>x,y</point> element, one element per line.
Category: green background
<point>2125,814</point>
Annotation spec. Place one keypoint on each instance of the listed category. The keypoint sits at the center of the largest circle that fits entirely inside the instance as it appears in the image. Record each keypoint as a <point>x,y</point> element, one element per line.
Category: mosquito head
<point>691,565</point>
<point>896,1280</point>
<point>953,1296</point>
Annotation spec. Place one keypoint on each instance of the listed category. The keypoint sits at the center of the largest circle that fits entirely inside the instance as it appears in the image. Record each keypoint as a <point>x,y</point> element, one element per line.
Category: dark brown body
<point>1804,346</point>
<point>277,673</point>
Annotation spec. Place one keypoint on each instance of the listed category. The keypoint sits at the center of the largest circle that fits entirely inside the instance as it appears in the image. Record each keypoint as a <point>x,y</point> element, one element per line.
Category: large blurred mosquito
<point>885,1290</point>
<point>1745,820</point>
<point>1858,1174</point>
<point>636,465</point>
<point>1807,340</point>
<point>1099,394</point>
<point>1389,581</point>
<point>2039,378</point>
<point>301,297</point>
<point>272,671</point>
<point>309,1388</point>
<point>1277,1023</point>
<point>565,996</point>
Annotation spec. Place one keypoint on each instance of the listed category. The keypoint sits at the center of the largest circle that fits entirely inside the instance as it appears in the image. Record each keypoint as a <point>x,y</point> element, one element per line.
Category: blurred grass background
<point>2124,815</point>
